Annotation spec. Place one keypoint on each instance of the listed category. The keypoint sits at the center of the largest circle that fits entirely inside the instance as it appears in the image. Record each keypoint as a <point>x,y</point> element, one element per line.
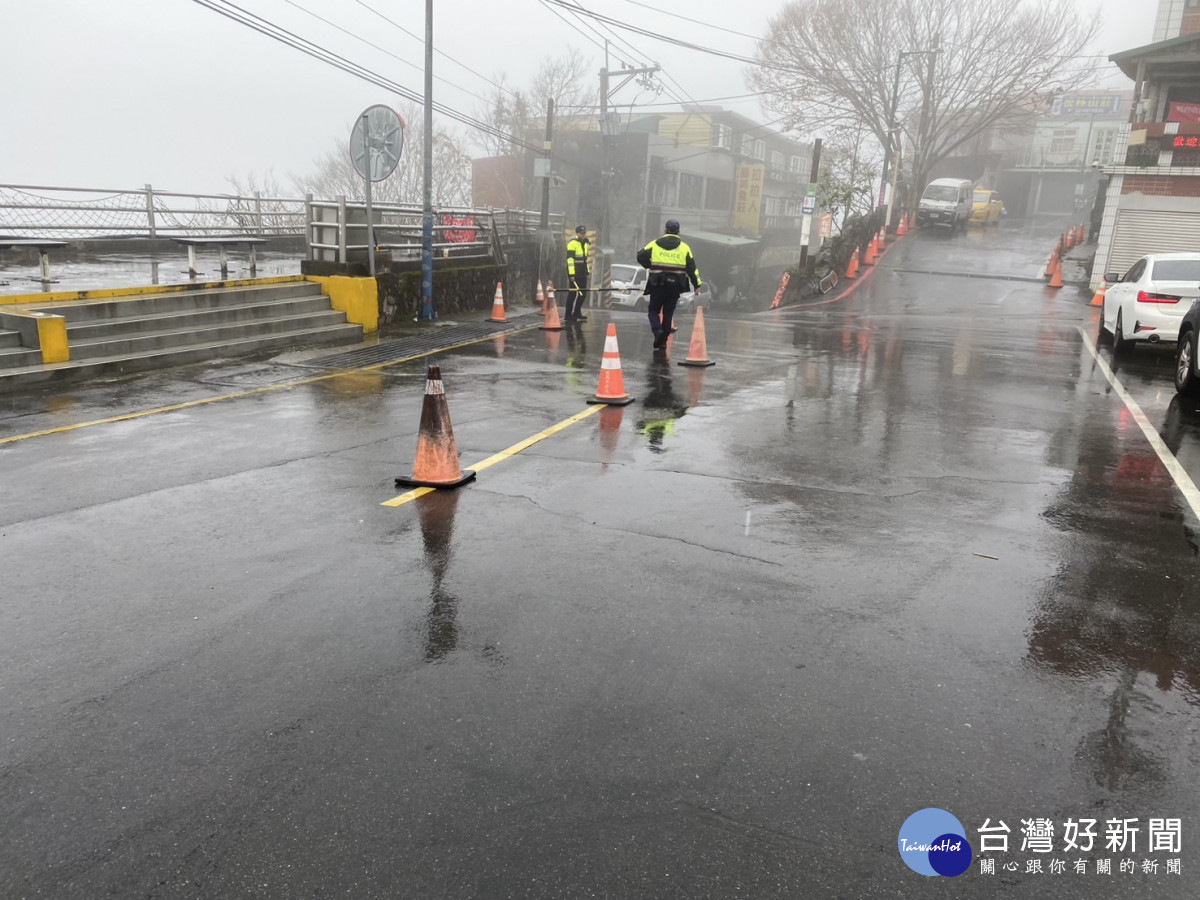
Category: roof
<point>724,240</point>
<point>1177,54</point>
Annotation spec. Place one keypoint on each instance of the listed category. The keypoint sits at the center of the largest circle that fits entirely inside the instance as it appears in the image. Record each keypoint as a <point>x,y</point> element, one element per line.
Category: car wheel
<point>1120,344</point>
<point>1185,365</point>
<point>1103,335</point>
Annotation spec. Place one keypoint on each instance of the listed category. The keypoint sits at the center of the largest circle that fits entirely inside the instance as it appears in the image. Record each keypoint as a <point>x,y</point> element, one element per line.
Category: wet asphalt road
<point>906,549</point>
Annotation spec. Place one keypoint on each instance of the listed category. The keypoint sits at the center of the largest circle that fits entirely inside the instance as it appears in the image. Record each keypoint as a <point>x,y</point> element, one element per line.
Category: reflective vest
<point>676,259</point>
<point>577,255</point>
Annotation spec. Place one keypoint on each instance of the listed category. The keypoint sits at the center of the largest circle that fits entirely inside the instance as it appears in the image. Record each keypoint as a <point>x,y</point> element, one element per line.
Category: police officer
<point>671,267</point>
<point>577,274</point>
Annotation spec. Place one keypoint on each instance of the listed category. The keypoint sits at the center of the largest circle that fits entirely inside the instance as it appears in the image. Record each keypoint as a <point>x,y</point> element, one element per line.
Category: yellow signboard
<point>747,202</point>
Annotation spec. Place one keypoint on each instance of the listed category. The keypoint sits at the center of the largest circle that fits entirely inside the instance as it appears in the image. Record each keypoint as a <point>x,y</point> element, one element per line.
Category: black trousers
<point>661,309</point>
<point>579,284</point>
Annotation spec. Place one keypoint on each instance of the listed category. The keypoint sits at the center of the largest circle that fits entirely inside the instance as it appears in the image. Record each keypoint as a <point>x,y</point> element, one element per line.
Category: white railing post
<point>308,226</point>
<point>150,210</point>
<point>258,211</point>
<point>341,226</point>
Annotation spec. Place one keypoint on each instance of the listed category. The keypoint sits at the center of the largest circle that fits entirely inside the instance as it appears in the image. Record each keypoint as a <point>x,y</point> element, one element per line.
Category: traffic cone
<point>1069,239</point>
<point>541,299</point>
<point>1056,278</point>
<point>1051,262</point>
<point>552,323</point>
<point>612,383</point>
<point>436,464</point>
<point>852,266</point>
<point>1098,297</point>
<point>697,354</point>
<point>498,305</point>
<point>869,259</point>
<point>902,228</point>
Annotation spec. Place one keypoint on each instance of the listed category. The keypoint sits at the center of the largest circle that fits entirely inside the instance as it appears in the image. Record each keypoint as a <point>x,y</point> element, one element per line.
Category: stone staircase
<point>154,330</point>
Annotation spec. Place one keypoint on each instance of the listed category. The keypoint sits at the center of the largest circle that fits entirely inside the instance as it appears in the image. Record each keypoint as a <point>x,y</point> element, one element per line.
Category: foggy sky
<point>121,93</point>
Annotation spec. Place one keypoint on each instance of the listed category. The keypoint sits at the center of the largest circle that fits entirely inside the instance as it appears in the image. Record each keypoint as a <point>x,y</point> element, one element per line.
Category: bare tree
<point>828,64</point>
<point>516,113</point>
<point>335,174</point>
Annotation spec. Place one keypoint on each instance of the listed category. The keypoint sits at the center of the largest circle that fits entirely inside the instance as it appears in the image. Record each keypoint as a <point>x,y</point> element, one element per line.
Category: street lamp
<point>891,158</point>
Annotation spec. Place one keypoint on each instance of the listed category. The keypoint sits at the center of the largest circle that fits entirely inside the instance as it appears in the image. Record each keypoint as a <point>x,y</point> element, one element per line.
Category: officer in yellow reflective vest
<point>671,267</point>
<point>577,274</point>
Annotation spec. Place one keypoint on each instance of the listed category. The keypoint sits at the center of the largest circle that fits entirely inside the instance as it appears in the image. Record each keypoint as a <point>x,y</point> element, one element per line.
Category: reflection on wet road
<point>909,549</point>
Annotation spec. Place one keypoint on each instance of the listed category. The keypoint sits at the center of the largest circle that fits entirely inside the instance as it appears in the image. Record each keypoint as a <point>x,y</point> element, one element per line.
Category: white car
<point>629,286</point>
<point>1148,302</point>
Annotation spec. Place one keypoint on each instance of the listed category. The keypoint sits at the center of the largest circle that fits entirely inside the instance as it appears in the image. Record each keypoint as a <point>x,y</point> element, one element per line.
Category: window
<point>691,191</point>
<point>664,184</point>
<point>758,149</point>
<point>722,135</point>
<point>1136,271</point>
<point>1062,140</point>
<point>776,160</point>
<point>719,194</point>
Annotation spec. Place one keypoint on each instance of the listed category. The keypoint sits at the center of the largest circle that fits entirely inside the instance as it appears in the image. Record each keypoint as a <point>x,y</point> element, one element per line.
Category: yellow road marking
<point>503,454</point>
<point>248,393</point>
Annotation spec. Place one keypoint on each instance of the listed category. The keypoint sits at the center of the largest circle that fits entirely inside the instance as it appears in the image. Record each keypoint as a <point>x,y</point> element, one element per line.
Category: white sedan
<point>1148,302</point>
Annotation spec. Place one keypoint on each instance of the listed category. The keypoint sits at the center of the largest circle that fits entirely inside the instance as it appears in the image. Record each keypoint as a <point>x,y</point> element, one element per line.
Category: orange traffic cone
<point>1052,261</point>
<point>552,323</point>
<point>1069,239</point>
<point>902,228</point>
<point>612,383</point>
<point>498,305</point>
<point>1098,297</point>
<point>1056,278</point>
<point>697,354</point>
<point>541,299</point>
<point>436,464</point>
<point>869,259</point>
<point>852,266</point>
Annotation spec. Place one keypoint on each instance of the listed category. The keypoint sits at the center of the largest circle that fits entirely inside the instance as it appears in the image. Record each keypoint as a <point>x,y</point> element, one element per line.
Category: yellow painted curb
<point>131,292</point>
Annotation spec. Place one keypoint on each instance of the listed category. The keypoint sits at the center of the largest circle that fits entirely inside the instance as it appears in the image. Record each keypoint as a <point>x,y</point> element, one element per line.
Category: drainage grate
<point>419,345</point>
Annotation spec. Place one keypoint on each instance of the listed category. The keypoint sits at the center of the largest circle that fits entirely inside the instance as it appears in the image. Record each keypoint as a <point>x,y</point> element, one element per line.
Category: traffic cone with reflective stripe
<point>552,323</point>
<point>436,464</point>
<point>902,228</point>
<point>1053,260</point>
<point>541,299</point>
<point>612,383</point>
<point>869,259</point>
<point>698,348</point>
<point>498,305</point>
<point>1098,297</point>
<point>852,266</point>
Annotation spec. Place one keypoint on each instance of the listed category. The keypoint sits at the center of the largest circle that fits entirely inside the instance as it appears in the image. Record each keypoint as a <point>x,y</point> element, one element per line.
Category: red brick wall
<point>1162,185</point>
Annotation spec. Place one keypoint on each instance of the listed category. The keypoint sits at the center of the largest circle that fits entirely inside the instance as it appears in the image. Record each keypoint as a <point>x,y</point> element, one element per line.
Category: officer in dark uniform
<point>577,274</point>
<point>671,267</point>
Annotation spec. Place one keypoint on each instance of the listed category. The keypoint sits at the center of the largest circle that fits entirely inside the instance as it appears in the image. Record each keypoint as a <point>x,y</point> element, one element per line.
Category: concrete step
<point>9,339</point>
<point>150,341</point>
<point>26,376</point>
<point>11,357</point>
<point>141,305</point>
<point>129,326</point>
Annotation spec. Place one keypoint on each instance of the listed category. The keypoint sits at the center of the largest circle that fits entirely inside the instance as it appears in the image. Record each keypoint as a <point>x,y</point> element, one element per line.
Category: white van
<point>946,201</point>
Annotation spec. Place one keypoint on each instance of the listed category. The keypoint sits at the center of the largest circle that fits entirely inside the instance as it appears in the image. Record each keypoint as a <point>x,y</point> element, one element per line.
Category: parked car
<point>986,208</point>
<point>629,286</point>
<point>1149,301</point>
<point>946,201</point>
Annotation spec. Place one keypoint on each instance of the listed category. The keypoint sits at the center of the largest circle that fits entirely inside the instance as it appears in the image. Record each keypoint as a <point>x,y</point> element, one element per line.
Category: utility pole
<point>605,127</point>
<point>891,159</point>
<point>810,202</point>
<point>546,241</point>
<point>427,313</point>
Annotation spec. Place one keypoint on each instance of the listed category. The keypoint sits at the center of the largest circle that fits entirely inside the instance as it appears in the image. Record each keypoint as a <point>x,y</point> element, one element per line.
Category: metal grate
<point>419,345</point>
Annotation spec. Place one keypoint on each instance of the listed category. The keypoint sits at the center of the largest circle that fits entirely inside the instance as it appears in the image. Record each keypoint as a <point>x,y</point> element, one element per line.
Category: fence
<point>333,229</point>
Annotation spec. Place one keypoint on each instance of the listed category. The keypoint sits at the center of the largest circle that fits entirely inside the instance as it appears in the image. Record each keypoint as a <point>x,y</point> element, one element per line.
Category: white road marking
<point>1177,472</point>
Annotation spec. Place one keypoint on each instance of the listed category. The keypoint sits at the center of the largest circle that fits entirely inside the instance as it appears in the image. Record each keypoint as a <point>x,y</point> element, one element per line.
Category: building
<point>1176,18</point>
<point>738,188</point>
<point>1152,200</point>
<point>1053,167</point>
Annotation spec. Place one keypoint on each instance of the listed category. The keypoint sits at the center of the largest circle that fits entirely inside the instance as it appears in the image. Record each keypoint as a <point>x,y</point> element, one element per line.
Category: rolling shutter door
<point>1142,231</point>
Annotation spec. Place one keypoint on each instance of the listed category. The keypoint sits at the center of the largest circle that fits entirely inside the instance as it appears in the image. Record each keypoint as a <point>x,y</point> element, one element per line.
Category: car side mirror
<point>1112,277</point>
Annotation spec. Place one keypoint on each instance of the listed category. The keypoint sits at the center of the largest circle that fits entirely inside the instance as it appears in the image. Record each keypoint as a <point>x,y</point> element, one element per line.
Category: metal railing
<point>66,213</point>
<point>333,228</point>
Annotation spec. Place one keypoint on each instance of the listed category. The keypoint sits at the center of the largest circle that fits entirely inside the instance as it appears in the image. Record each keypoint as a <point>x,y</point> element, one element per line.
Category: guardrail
<point>332,228</point>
